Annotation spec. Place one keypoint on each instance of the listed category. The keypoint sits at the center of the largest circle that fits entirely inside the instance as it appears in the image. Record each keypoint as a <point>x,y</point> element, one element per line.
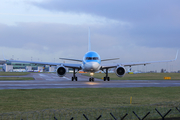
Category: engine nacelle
<point>120,71</point>
<point>61,71</point>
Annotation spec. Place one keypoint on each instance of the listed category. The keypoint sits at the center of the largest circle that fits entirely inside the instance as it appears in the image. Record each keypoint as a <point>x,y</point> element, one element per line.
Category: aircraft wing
<point>136,63</point>
<point>144,63</point>
<point>148,62</point>
<point>71,59</point>
<point>110,59</point>
<point>108,66</point>
<point>77,66</point>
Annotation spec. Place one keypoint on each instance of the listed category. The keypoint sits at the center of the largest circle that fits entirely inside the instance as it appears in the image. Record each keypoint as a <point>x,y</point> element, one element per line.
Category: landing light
<point>91,74</point>
<point>92,83</point>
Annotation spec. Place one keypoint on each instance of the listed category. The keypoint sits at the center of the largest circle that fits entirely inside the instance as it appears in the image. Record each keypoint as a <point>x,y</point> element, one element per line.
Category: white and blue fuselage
<point>91,62</point>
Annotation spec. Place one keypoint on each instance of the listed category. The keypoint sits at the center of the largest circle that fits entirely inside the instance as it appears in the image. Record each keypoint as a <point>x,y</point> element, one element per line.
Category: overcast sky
<point>134,31</point>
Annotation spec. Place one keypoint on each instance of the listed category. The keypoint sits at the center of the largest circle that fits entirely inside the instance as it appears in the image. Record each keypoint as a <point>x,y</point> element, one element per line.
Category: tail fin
<point>3,55</point>
<point>89,43</point>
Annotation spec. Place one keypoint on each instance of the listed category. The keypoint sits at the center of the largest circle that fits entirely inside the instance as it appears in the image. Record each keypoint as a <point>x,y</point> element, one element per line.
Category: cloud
<point>147,23</point>
<point>54,36</point>
<point>125,10</point>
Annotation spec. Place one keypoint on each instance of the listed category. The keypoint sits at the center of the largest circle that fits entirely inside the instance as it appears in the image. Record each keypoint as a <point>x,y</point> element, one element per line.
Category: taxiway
<point>51,80</point>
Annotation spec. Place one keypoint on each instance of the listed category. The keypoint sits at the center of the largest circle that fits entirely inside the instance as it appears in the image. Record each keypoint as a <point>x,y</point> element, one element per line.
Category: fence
<point>152,112</point>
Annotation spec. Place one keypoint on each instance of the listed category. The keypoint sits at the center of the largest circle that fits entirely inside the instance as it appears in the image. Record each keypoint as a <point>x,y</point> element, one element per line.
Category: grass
<point>15,78</point>
<point>38,99</point>
<point>13,73</point>
<point>140,76</point>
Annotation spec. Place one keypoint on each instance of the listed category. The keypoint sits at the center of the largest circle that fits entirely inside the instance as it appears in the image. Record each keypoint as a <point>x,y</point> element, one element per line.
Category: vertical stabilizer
<point>3,55</point>
<point>89,43</point>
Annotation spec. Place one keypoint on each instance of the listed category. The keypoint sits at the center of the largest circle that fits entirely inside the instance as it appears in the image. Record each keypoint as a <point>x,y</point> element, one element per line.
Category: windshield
<point>92,58</point>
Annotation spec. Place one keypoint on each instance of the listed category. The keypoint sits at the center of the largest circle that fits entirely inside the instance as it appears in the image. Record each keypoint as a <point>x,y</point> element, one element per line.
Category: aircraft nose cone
<point>92,66</point>
<point>95,65</point>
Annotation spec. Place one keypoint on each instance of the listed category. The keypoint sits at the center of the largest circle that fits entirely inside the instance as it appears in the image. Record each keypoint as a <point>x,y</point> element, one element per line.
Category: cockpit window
<point>95,58</point>
<point>88,58</point>
<point>92,58</point>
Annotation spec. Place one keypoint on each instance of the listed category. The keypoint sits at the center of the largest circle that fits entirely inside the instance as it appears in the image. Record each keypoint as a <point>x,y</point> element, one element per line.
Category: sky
<point>134,31</point>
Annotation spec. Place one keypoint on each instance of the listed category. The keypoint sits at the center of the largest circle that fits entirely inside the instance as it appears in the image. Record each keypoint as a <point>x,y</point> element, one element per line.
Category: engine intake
<point>61,71</point>
<point>120,71</point>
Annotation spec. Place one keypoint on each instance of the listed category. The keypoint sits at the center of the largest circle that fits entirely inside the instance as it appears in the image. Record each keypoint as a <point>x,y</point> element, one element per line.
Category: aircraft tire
<point>76,78</point>
<point>108,78</point>
<point>104,78</point>
<point>89,79</point>
<point>72,79</point>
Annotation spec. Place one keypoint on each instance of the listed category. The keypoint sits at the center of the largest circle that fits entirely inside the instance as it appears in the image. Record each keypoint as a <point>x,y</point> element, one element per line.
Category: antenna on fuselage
<point>89,43</point>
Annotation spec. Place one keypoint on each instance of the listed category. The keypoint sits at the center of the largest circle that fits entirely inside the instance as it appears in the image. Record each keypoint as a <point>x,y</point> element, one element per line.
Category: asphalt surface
<point>51,80</point>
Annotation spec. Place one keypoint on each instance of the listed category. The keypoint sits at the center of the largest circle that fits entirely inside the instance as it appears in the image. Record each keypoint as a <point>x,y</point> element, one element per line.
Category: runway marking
<point>42,75</point>
<point>56,77</point>
<point>50,79</point>
<point>144,83</point>
<point>66,78</point>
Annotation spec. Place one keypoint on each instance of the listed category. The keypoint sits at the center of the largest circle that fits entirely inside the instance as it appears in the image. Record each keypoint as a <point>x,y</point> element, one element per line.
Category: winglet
<point>89,43</point>
<point>176,55</point>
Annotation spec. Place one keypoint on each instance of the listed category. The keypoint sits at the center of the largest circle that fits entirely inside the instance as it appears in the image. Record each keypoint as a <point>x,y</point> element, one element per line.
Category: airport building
<point>25,67</point>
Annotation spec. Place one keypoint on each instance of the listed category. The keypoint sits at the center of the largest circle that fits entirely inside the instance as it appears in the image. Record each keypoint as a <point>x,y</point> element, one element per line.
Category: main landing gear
<point>106,77</point>
<point>74,75</point>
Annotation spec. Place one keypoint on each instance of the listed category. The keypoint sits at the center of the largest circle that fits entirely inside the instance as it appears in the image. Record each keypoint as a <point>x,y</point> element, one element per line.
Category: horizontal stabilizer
<point>110,59</point>
<point>71,59</point>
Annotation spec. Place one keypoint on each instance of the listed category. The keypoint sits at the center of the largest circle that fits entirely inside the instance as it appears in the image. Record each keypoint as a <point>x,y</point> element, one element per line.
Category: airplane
<point>91,62</point>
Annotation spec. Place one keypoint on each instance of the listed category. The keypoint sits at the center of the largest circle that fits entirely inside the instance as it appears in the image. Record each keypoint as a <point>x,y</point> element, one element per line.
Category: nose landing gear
<point>91,78</point>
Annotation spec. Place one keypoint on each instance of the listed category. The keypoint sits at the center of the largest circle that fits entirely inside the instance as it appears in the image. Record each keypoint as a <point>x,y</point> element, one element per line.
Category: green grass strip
<point>39,99</point>
<point>15,78</point>
<point>139,76</point>
<point>13,73</point>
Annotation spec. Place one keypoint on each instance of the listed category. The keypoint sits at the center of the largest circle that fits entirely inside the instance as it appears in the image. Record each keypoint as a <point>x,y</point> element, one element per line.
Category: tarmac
<point>51,80</point>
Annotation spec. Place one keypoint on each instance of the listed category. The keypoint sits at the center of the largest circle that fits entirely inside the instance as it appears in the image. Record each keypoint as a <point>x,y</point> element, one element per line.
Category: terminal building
<point>25,67</point>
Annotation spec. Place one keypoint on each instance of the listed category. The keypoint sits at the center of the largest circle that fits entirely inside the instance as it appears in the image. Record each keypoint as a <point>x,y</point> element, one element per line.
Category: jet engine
<point>120,71</point>
<point>61,71</point>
